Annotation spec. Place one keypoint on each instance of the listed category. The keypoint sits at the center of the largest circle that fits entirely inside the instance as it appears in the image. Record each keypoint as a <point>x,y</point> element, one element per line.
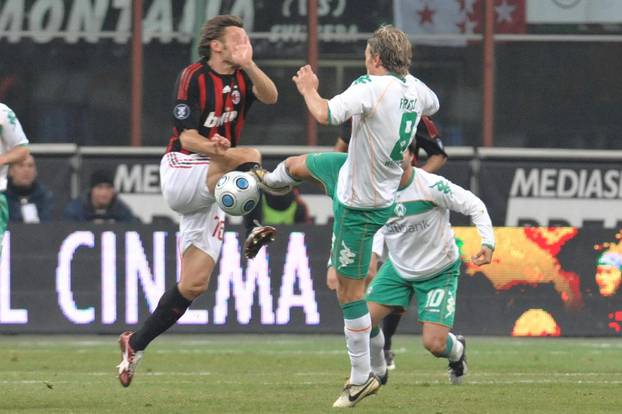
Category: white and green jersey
<point>11,135</point>
<point>419,237</point>
<point>385,111</point>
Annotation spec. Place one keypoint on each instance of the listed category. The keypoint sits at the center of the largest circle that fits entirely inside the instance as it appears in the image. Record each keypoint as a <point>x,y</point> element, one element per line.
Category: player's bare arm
<point>434,163</point>
<point>307,83</point>
<point>17,154</point>
<point>192,141</point>
<point>263,87</point>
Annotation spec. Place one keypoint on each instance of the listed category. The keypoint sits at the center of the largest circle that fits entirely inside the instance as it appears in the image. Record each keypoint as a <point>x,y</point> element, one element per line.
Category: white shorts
<point>183,180</point>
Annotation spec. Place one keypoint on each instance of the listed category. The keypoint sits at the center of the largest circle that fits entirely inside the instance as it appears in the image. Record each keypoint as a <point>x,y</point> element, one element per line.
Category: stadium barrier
<point>545,187</point>
<point>106,278</point>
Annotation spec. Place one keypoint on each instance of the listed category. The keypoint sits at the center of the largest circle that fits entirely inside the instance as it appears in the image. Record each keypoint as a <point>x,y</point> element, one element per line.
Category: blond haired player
<point>385,105</point>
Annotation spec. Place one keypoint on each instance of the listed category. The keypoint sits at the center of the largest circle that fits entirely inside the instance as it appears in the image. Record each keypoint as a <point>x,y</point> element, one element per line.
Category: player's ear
<point>376,60</point>
<point>216,45</point>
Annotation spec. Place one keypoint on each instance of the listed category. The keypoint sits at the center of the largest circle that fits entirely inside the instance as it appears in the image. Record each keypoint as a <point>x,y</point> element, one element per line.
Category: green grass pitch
<point>304,374</point>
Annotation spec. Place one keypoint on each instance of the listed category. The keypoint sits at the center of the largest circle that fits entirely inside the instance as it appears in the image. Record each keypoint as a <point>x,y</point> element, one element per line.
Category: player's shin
<point>171,307</point>
<point>453,349</point>
<point>376,342</point>
<point>357,326</point>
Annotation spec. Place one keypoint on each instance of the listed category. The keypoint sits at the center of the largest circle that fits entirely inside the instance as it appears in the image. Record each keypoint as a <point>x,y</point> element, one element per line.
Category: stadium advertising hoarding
<point>137,181</point>
<point>516,191</point>
<point>174,20</point>
<point>552,193</point>
<point>104,279</point>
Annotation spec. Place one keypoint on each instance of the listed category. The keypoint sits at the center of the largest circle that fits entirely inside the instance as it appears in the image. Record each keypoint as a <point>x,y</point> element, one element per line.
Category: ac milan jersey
<point>210,103</point>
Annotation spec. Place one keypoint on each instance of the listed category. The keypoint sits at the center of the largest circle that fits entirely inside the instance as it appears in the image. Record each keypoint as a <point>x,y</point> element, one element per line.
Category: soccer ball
<point>237,193</point>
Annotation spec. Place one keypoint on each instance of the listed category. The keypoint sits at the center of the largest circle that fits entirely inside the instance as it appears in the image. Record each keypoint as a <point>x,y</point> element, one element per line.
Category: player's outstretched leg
<point>457,369</point>
<point>353,393</point>
<point>287,174</point>
<point>171,307</point>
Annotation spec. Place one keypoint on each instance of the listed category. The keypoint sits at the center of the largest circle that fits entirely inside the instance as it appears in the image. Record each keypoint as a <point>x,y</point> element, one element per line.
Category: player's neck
<point>378,71</point>
<point>220,66</point>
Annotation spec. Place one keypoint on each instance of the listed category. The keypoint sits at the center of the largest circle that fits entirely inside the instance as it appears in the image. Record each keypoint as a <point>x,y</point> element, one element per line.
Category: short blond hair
<point>393,48</point>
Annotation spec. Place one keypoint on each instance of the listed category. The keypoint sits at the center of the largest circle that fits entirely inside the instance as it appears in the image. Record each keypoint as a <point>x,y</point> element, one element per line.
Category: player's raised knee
<point>192,290</point>
<point>435,344</point>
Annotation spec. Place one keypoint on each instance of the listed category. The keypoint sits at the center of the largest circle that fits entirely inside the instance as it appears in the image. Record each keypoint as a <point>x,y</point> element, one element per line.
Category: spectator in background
<point>280,209</point>
<point>29,201</point>
<point>100,203</point>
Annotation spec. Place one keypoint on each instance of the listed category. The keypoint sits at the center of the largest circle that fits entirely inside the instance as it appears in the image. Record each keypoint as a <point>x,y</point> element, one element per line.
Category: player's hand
<point>484,256</point>
<point>218,145</point>
<point>242,54</point>
<point>306,80</point>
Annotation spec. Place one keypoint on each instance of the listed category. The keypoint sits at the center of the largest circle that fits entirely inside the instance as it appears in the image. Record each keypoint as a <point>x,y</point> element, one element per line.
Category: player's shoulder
<point>5,112</point>
<point>192,70</point>
<point>414,82</point>
<point>429,179</point>
<point>423,175</point>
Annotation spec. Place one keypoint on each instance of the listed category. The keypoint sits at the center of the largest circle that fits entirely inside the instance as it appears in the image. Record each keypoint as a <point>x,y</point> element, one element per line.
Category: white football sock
<point>376,352</point>
<point>455,353</point>
<point>279,177</point>
<point>357,340</point>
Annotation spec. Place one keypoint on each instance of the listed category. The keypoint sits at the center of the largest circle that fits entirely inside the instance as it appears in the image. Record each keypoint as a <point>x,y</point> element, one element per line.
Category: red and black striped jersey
<point>210,103</point>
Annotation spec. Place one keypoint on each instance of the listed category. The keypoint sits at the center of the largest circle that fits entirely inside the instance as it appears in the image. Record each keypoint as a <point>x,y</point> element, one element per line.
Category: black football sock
<point>389,326</point>
<point>247,166</point>
<point>171,307</point>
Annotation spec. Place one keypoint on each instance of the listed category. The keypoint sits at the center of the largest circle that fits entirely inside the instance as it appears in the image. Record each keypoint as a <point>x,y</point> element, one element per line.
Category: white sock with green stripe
<point>279,177</point>
<point>357,325</point>
<point>376,343</point>
<point>453,348</point>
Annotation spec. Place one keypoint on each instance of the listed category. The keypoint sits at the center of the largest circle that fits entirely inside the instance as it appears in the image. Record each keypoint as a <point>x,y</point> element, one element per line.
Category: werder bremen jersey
<point>385,111</point>
<point>11,135</point>
<point>419,237</point>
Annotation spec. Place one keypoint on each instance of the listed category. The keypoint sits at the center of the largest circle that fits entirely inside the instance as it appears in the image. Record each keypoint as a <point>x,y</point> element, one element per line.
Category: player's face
<point>608,279</point>
<point>232,36</point>
<point>407,159</point>
<point>102,195</point>
<point>371,62</point>
<point>24,173</point>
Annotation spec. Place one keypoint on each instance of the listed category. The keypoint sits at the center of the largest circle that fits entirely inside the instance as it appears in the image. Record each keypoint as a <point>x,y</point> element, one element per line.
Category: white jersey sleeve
<point>356,100</point>
<point>11,130</point>
<point>429,100</point>
<point>453,197</point>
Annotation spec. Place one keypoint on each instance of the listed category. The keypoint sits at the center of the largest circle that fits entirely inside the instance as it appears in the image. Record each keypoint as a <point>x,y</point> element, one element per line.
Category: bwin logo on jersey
<point>213,121</point>
<point>346,256</point>
<point>400,210</point>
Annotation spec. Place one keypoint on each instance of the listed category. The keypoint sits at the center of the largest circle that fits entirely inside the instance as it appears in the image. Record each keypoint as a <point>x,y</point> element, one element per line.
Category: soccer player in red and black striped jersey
<point>212,98</point>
